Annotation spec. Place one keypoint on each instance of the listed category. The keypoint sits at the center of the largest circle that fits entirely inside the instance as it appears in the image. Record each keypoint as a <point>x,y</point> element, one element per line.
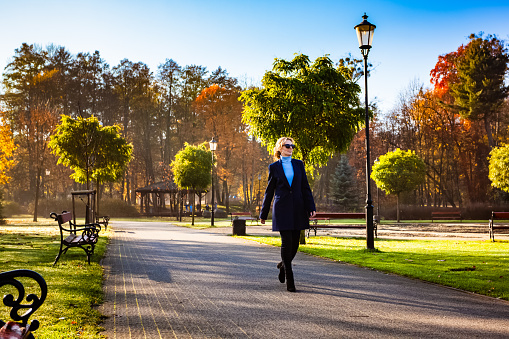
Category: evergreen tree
<point>343,188</point>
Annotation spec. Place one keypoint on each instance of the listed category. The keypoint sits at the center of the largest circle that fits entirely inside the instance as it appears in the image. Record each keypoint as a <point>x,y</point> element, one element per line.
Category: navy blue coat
<point>292,205</point>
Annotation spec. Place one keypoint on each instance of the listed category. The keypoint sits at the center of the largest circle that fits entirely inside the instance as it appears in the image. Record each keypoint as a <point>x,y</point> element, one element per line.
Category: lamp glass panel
<point>365,35</point>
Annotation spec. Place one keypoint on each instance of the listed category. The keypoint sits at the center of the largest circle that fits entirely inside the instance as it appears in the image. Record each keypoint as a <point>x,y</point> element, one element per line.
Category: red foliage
<point>445,71</point>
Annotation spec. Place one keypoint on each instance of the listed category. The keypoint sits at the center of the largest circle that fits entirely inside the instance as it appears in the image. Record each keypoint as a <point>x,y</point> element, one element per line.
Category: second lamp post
<point>365,35</point>
<point>213,147</point>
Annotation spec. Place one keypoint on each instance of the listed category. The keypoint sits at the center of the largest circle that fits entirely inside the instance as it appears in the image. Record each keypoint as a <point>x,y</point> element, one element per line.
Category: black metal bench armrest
<point>90,233</point>
<point>16,304</point>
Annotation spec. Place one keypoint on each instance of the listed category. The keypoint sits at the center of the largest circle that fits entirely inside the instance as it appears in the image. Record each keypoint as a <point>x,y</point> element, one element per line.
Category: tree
<point>7,148</point>
<point>398,171</point>
<point>168,76</point>
<point>220,110</point>
<point>92,151</point>
<point>499,167</point>
<point>316,104</point>
<point>342,186</point>
<point>474,77</point>
<point>191,169</point>
<point>6,151</point>
<point>35,135</point>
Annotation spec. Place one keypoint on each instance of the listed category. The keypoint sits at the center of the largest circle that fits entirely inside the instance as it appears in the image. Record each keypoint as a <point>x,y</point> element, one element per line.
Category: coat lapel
<point>295,168</point>
<point>281,172</point>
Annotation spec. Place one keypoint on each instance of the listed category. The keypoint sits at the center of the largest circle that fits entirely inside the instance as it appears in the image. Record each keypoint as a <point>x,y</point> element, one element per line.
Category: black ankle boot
<point>290,284</point>
<point>281,275</point>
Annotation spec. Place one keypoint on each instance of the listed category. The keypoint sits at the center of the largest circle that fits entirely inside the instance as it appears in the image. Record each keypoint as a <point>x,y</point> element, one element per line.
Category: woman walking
<point>293,204</point>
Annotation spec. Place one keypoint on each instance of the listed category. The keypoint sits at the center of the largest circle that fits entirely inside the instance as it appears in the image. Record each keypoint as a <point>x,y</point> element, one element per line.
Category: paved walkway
<point>163,281</point>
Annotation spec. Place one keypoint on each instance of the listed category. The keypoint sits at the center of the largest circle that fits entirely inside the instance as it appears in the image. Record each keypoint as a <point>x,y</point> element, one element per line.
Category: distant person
<point>293,205</point>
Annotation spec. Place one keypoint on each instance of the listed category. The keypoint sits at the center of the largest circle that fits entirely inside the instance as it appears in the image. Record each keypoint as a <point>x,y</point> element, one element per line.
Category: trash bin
<point>239,227</point>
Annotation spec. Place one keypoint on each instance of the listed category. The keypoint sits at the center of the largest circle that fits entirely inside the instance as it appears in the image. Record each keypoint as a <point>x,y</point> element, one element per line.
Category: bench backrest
<point>240,213</point>
<point>500,215</point>
<point>64,217</point>
<point>446,213</point>
<point>340,215</point>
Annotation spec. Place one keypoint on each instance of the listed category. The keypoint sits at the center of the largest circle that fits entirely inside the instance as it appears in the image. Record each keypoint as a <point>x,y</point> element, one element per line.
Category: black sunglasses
<point>289,145</point>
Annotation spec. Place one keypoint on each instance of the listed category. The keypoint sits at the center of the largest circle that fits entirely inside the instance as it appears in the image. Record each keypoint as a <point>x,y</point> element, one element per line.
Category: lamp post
<point>213,147</point>
<point>365,35</point>
<point>259,195</point>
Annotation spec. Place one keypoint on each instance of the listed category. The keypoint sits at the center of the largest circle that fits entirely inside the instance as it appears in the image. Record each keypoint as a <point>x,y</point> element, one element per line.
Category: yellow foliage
<point>6,149</point>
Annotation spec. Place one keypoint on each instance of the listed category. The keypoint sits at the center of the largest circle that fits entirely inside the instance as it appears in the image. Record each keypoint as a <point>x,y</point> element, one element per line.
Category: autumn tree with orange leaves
<point>221,112</point>
<point>6,152</point>
<point>469,84</point>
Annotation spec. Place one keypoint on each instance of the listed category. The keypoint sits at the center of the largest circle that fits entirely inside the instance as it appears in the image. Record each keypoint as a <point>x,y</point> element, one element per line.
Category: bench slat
<point>340,215</point>
<point>332,216</point>
<point>339,226</point>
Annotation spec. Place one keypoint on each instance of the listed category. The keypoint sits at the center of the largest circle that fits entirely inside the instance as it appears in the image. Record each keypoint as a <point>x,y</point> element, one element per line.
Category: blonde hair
<point>279,144</point>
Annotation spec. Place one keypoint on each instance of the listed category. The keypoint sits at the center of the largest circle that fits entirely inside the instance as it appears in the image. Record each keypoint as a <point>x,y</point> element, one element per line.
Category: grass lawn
<point>476,266</point>
<point>74,287</point>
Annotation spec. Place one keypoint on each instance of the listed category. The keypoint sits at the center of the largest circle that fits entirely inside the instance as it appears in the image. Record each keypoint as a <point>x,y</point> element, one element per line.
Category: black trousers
<point>289,246</point>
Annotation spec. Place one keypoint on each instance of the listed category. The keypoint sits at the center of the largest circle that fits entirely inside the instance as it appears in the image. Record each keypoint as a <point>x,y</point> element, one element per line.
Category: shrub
<point>117,208</point>
<point>10,208</point>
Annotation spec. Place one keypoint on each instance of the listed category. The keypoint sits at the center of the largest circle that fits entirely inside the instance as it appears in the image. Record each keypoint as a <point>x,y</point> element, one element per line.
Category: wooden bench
<point>27,304</point>
<point>320,216</point>
<point>243,216</point>
<point>82,236</point>
<point>451,215</point>
<point>493,227</point>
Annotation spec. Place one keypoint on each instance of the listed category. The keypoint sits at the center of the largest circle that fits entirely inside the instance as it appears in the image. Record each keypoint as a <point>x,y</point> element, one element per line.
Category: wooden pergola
<point>154,202</point>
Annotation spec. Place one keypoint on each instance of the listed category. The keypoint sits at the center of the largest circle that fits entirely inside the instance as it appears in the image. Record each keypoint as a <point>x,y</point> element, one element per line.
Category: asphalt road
<point>163,281</point>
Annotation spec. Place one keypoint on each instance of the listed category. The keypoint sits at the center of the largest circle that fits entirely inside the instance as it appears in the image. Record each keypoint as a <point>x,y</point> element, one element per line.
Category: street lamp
<point>365,35</point>
<point>259,194</point>
<point>213,147</point>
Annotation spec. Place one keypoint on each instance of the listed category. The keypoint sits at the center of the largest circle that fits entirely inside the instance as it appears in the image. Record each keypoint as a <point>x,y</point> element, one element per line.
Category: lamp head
<point>365,32</point>
<point>213,144</point>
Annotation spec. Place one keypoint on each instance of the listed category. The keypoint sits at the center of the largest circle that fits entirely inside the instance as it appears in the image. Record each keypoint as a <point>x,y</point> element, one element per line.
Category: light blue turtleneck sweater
<point>288,168</point>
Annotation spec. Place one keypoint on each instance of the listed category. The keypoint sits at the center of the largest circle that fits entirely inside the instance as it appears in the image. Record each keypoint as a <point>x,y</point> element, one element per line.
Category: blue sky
<point>244,37</point>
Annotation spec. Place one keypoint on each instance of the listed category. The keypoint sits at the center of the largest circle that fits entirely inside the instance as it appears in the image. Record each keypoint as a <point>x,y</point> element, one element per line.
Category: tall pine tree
<point>343,187</point>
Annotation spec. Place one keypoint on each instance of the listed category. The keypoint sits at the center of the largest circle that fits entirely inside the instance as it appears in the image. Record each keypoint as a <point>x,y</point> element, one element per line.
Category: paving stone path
<point>163,281</point>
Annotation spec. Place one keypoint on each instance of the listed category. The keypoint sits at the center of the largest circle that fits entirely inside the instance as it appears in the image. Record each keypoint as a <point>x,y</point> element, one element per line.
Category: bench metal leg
<point>492,235</point>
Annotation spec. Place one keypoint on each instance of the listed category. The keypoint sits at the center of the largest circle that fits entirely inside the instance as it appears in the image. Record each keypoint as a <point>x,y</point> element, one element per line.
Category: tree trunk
<point>37,188</point>
<point>397,207</point>
<point>193,207</point>
<point>98,199</point>
<point>487,126</point>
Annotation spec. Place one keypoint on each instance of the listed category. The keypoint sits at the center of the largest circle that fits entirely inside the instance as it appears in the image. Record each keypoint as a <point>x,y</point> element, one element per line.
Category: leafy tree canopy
<point>499,168</point>
<point>192,167</point>
<point>398,171</point>
<point>471,80</point>
<point>481,69</point>
<point>316,103</point>
<point>93,151</point>
<point>6,149</point>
